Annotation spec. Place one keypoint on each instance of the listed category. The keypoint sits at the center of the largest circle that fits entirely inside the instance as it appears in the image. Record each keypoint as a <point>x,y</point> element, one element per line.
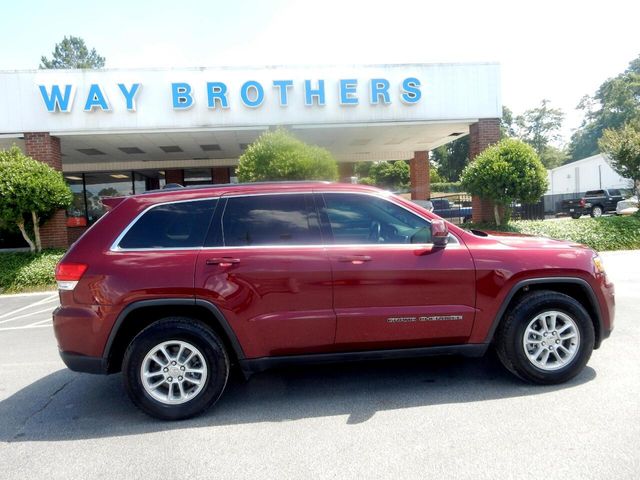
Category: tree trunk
<point>36,230</point>
<point>32,247</point>
<point>496,213</point>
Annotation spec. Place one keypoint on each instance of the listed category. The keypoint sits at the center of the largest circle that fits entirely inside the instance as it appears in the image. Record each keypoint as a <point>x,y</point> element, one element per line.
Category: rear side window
<point>594,193</point>
<point>270,220</point>
<point>174,225</point>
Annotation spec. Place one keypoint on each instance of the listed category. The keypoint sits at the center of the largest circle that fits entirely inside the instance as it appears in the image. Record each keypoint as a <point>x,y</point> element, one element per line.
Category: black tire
<point>596,211</point>
<point>510,335</point>
<point>179,329</point>
<point>575,216</point>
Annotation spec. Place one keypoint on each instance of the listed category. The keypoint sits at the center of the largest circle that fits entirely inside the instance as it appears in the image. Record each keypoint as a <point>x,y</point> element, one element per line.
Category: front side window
<point>174,225</point>
<point>270,220</point>
<point>365,219</point>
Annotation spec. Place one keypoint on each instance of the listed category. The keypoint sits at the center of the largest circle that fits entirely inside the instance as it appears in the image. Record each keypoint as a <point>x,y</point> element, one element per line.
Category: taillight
<point>582,202</point>
<point>68,274</point>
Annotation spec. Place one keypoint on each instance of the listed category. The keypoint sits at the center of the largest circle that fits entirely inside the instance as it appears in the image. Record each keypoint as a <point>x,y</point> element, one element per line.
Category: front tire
<point>175,368</point>
<point>546,338</point>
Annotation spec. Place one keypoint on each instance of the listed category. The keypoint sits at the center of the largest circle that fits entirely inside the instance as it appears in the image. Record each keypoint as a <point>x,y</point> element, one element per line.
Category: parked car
<point>594,203</point>
<point>445,208</point>
<point>174,287</point>
<point>628,206</point>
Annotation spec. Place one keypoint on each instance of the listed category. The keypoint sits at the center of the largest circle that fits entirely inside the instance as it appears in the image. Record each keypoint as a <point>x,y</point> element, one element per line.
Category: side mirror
<point>439,233</point>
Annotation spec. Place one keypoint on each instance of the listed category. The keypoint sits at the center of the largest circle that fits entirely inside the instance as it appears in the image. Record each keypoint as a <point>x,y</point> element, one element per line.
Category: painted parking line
<point>25,315</point>
<point>49,299</point>
<point>27,327</point>
<point>41,322</point>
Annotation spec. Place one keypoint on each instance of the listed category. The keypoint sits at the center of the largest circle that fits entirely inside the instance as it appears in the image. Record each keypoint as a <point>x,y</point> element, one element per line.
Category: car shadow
<point>67,406</point>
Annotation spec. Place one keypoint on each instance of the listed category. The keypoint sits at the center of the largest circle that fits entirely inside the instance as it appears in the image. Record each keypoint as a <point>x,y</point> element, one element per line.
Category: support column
<point>482,134</point>
<point>174,176</point>
<point>220,175</point>
<point>419,174</point>
<point>345,172</point>
<point>46,149</point>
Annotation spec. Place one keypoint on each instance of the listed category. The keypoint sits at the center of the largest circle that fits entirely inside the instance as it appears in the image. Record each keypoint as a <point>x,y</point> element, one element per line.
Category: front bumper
<point>84,363</point>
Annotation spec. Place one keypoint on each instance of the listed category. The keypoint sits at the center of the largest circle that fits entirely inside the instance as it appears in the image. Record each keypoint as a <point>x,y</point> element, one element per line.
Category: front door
<point>265,267</point>
<point>392,288</point>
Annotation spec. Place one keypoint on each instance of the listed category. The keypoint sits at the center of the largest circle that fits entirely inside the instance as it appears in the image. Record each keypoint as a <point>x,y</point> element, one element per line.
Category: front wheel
<point>175,368</point>
<point>547,338</point>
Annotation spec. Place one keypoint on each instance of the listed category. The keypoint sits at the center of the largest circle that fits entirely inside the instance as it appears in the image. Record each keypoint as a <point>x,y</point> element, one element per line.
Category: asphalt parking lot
<point>432,418</point>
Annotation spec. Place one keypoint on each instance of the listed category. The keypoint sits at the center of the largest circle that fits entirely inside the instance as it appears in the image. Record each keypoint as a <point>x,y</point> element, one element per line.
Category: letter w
<point>57,100</point>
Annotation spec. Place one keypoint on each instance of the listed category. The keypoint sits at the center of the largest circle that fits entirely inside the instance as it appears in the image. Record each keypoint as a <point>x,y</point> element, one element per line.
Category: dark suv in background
<point>174,287</point>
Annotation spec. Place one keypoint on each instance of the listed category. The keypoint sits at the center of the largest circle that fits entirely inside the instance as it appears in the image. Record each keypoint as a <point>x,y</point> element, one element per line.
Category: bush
<point>278,155</point>
<point>506,172</point>
<point>446,187</point>
<point>22,271</point>
<point>31,189</point>
<point>604,233</point>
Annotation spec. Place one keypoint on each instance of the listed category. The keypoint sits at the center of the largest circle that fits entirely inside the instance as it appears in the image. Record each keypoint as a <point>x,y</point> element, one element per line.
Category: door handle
<point>355,259</point>
<point>222,261</point>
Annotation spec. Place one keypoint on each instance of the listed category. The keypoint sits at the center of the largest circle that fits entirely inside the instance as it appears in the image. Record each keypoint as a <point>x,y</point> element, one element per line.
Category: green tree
<point>451,158</point>
<point>540,126</point>
<point>622,148</point>
<point>30,189</point>
<point>389,175</point>
<point>614,104</point>
<point>72,52</point>
<point>507,123</point>
<point>552,157</point>
<point>277,155</point>
<point>506,172</point>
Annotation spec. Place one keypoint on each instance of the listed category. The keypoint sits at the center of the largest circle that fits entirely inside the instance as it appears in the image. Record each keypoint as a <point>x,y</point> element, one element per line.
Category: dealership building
<point>120,132</point>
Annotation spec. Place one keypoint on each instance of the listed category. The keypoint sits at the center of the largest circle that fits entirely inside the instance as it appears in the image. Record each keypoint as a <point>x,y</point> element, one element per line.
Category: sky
<point>555,50</point>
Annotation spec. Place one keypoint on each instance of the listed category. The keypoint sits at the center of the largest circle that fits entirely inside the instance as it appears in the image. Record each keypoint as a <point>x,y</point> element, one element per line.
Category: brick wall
<point>482,134</point>
<point>46,148</point>
<point>220,175</point>
<point>174,176</point>
<point>419,173</point>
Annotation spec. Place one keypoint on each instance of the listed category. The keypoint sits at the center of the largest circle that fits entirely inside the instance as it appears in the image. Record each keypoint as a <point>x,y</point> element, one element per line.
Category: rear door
<point>392,288</point>
<point>265,267</point>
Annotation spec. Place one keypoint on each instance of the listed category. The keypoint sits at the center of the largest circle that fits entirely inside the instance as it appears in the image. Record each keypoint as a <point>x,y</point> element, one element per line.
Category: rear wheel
<point>596,211</point>
<point>176,368</point>
<point>547,338</point>
<point>575,216</point>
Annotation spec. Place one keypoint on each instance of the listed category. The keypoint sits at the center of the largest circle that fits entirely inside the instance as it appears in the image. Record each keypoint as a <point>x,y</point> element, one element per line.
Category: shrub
<point>278,155</point>
<point>604,233</point>
<point>22,271</point>
<point>506,172</point>
<point>29,188</point>
<point>446,187</point>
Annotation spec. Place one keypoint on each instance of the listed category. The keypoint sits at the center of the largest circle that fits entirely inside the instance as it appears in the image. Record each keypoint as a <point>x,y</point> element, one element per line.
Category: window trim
<point>115,246</point>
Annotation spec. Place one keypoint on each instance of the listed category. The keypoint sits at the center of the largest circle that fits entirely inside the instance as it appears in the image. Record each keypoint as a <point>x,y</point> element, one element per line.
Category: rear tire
<point>575,216</point>
<point>175,368</point>
<point>596,211</point>
<point>546,338</point>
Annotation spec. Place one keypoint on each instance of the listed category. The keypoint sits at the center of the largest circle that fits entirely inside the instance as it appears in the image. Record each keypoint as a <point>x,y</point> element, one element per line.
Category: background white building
<point>591,173</point>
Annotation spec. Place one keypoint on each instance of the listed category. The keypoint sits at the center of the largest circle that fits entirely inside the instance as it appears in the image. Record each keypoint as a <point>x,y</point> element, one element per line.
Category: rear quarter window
<point>173,225</point>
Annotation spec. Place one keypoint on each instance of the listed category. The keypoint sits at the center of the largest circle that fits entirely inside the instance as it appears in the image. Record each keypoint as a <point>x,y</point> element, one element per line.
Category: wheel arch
<point>575,287</point>
<point>140,314</point>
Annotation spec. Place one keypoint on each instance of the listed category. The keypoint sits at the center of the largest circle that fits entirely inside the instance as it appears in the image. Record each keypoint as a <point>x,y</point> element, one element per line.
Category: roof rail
<point>176,186</point>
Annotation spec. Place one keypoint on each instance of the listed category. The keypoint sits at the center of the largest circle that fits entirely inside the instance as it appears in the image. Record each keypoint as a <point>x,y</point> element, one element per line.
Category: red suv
<point>175,286</point>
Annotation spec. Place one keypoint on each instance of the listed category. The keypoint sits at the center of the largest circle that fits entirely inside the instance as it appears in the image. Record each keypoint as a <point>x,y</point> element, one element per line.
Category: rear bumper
<point>84,363</point>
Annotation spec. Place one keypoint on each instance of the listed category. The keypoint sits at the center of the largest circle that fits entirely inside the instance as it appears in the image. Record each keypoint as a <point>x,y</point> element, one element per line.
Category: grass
<point>604,233</point>
<point>28,272</point>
